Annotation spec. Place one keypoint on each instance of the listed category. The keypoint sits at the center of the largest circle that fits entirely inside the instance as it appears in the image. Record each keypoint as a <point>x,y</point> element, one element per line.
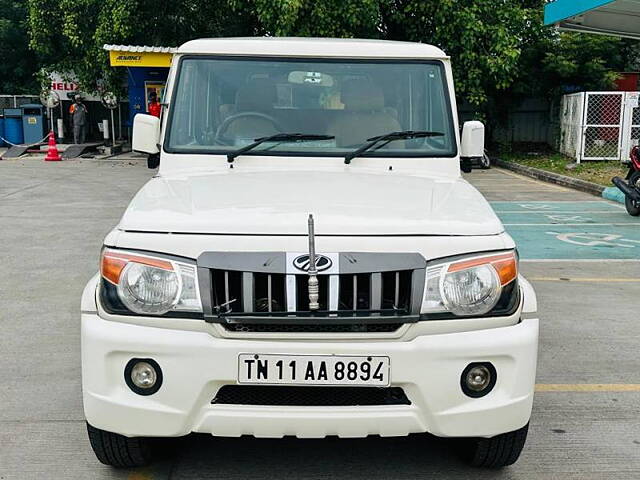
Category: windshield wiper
<point>386,138</point>
<point>278,137</point>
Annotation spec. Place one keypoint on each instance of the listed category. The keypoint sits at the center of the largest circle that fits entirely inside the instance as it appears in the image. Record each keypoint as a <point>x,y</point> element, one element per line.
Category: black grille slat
<point>361,296</point>
<point>396,290</point>
<point>317,396</point>
<point>276,292</point>
<point>227,289</point>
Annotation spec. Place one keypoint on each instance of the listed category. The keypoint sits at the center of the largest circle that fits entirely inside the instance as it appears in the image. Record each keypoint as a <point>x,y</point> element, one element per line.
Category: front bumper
<point>196,364</point>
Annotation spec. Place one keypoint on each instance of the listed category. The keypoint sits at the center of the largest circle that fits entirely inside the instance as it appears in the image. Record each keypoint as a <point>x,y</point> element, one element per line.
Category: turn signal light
<point>113,263</point>
<point>505,264</point>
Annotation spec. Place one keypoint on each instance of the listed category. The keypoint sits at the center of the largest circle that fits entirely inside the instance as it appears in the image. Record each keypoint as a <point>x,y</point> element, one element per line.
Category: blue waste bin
<point>2,144</point>
<point>13,126</point>
<point>33,123</point>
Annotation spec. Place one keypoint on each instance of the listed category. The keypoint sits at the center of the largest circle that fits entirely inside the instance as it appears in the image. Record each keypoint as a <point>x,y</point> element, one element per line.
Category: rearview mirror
<point>146,134</point>
<point>317,79</point>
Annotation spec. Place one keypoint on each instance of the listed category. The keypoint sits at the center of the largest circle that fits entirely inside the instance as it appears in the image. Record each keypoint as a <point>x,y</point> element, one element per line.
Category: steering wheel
<point>224,126</point>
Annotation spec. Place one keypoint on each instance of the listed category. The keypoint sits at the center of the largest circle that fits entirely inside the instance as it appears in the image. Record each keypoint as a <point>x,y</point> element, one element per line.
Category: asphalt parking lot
<point>582,254</point>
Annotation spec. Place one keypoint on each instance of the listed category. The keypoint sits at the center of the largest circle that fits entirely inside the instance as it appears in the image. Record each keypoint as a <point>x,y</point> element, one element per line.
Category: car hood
<point>343,202</point>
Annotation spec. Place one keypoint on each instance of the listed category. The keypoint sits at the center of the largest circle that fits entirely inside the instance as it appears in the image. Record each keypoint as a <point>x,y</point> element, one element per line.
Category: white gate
<point>602,126</point>
<point>631,123</point>
<point>599,125</point>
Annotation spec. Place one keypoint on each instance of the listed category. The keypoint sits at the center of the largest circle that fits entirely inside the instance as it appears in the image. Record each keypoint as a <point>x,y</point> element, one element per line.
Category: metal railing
<point>15,101</point>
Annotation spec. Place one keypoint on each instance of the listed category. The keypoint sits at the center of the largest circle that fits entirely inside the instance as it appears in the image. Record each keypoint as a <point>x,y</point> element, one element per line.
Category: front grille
<point>262,292</point>
<point>325,328</point>
<point>309,396</point>
<point>267,293</point>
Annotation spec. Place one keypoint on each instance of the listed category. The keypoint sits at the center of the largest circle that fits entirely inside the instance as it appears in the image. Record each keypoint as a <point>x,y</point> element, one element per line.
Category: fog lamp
<point>143,376</point>
<point>478,379</point>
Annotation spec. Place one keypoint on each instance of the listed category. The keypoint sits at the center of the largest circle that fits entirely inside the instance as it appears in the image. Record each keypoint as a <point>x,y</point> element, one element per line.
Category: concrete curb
<point>614,194</point>
<point>550,177</point>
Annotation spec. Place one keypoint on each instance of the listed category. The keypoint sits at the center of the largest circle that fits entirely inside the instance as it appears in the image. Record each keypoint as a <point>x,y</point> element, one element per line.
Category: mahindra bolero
<point>308,261</point>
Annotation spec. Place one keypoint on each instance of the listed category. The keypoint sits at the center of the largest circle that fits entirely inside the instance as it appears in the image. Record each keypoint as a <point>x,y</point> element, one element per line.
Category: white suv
<point>308,261</point>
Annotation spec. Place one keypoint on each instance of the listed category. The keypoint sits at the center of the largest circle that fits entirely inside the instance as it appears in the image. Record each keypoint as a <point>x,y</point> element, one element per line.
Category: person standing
<point>78,113</point>
<point>154,106</point>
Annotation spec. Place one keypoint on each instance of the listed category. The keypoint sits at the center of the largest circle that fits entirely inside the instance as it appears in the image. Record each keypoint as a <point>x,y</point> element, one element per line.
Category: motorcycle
<point>630,186</point>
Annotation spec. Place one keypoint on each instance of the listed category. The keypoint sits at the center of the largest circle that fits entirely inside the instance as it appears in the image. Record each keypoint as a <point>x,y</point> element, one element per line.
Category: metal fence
<point>15,101</point>
<point>599,125</point>
<point>528,122</point>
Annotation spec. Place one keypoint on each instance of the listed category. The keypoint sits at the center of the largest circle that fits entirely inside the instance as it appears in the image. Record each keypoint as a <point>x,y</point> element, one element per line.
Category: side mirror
<point>146,134</point>
<point>471,144</point>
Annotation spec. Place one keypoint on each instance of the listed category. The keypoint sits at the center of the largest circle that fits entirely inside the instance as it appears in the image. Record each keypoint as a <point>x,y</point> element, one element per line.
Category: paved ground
<point>581,253</point>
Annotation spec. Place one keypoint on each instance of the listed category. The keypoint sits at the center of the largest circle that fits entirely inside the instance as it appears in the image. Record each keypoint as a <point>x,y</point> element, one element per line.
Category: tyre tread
<point>117,450</point>
<point>499,451</point>
<point>633,209</point>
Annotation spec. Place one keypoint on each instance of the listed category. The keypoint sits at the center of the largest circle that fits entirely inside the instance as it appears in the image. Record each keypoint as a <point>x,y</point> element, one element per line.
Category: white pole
<point>105,130</point>
<point>119,123</point>
<point>60,129</point>
<point>113,130</point>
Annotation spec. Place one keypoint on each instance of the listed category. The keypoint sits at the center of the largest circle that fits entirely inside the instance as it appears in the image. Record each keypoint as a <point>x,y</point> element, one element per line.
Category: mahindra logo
<point>302,263</point>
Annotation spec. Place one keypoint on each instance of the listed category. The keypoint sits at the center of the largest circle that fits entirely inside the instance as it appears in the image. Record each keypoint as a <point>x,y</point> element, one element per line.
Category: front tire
<point>633,208</point>
<point>485,162</point>
<point>496,452</point>
<point>119,451</point>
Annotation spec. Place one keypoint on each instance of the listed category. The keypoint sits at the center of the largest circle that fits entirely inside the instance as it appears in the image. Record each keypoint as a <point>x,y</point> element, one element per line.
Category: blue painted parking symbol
<point>571,230</point>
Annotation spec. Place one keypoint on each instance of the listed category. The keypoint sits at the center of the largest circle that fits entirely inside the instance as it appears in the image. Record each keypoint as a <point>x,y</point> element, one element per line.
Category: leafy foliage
<point>327,18</point>
<point>501,50</point>
<point>583,61</point>
<point>71,34</point>
<point>18,64</point>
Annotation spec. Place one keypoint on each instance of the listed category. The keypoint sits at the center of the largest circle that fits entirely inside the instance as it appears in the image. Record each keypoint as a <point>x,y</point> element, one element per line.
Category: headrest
<point>361,96</point>
<point>257,94</point>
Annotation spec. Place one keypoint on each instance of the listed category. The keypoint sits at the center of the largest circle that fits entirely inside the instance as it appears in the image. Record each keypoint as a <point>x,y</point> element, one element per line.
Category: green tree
<point>19,65</point>
<point>501,51</point>
<point>485,38</point>
<point>326,18</point>
<point>583,61</point>
<point>71,34</point>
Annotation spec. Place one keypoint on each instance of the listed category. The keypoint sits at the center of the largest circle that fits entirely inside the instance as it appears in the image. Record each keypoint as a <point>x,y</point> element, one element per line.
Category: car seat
<point>256,96</point>
<point>364,115</point>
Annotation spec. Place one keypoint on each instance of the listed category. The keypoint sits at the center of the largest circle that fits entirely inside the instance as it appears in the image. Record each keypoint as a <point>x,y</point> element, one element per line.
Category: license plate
<point>313,369</point>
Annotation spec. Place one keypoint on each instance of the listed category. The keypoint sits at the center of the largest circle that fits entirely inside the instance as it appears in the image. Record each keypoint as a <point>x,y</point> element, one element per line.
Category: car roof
<point>311,47</point>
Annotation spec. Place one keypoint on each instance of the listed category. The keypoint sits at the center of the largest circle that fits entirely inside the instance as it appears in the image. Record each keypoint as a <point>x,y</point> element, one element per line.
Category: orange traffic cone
<point>52,153</point>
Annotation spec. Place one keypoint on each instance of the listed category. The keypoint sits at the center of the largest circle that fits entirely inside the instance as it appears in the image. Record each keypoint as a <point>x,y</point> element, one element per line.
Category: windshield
<point>220,105</point>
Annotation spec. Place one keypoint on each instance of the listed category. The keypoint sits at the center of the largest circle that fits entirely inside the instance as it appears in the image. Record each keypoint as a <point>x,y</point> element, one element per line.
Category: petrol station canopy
<point>619,18</point>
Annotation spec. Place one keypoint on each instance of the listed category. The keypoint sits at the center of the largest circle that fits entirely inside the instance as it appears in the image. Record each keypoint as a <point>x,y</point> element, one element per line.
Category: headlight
<point>149,285</point>
<point>468,286</point>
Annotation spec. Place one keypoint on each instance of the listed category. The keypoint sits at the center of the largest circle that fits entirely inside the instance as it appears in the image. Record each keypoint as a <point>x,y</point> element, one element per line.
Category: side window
<point>183,105</point>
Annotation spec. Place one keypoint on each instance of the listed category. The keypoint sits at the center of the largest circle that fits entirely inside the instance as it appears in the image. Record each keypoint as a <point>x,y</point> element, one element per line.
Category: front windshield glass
<point>221,105</point>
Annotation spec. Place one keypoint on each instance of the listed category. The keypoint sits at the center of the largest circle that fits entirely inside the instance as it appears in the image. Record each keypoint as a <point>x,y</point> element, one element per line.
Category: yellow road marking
<point>584,279</point>
<point>140,475</point>
<point>587,387</point>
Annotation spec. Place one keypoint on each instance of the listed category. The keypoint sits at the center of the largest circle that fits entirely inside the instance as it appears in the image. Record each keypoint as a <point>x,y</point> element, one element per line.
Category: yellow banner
<point>139,59</point>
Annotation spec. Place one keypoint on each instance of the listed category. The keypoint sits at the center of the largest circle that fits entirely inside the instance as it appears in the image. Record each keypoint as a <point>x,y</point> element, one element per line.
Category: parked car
<point>308,261</point>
